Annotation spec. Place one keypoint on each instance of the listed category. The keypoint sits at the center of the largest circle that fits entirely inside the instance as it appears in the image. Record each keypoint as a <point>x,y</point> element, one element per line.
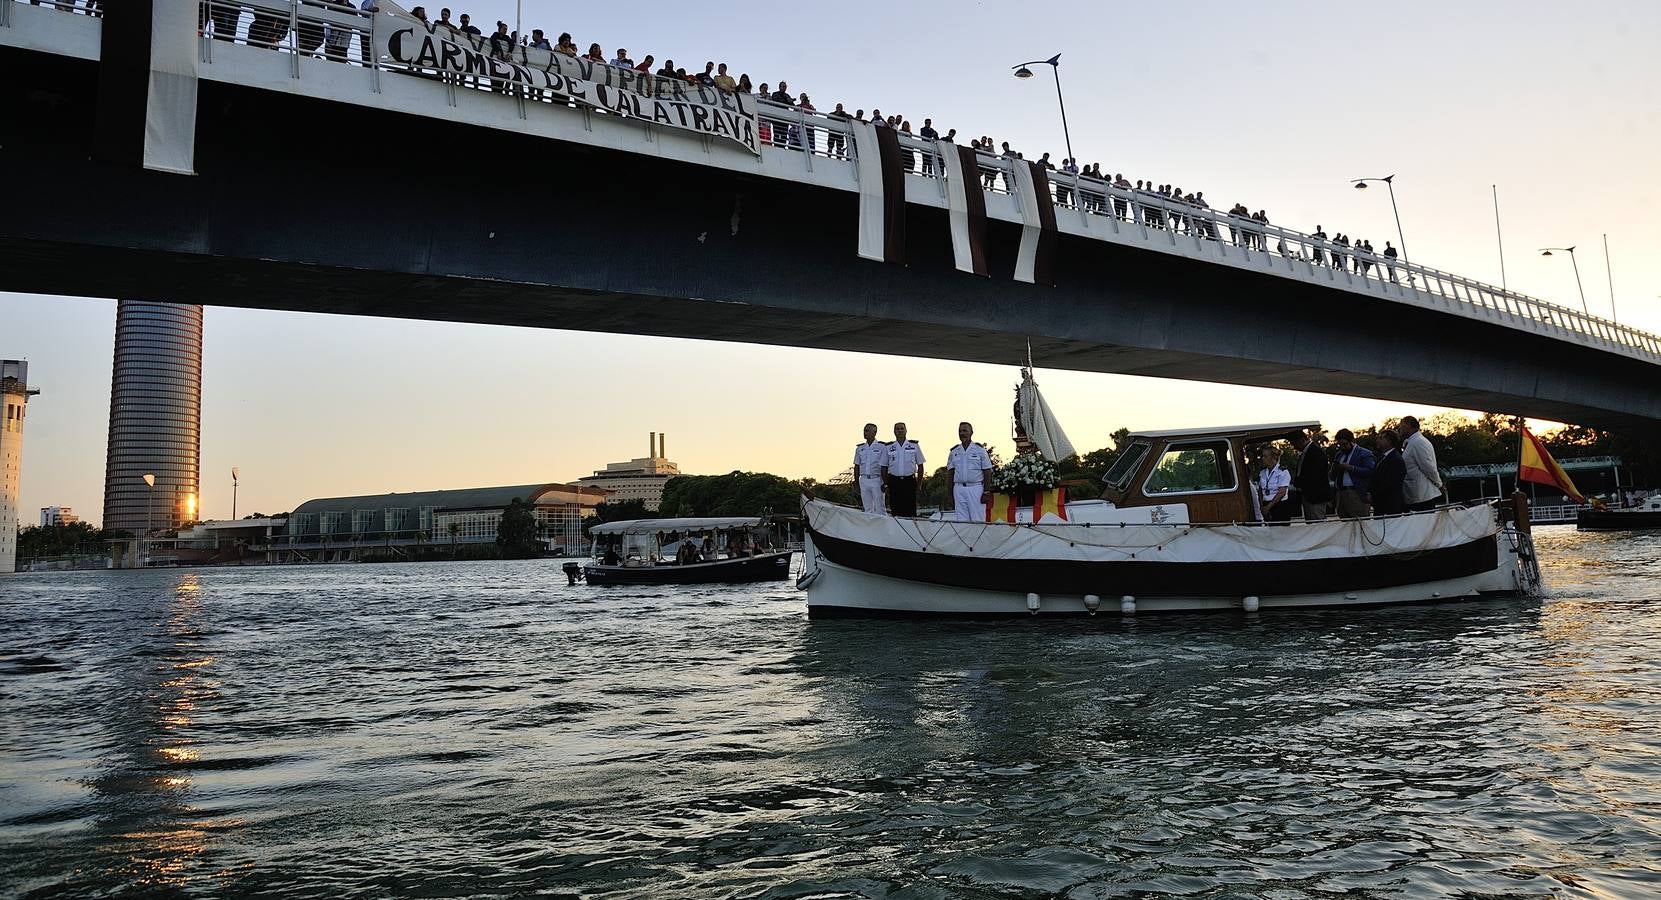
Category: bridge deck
<point>199,238</point>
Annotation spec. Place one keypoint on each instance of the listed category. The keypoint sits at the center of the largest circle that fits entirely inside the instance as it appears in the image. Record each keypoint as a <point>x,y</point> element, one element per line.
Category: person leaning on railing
<point>337,39</point>
<point>780,130</point>
<point>928,134</point>
<point>806,106</point>
<point>835,141</point>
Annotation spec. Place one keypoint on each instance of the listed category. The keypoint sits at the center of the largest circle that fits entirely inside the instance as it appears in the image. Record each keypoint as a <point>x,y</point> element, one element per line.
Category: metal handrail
<point>1145,211</point>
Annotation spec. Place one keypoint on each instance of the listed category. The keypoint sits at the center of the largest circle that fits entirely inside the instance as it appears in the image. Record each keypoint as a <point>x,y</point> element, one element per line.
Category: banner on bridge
<point>436,51</point>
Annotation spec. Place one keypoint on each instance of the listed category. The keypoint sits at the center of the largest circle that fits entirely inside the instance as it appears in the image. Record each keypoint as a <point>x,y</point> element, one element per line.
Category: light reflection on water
<point>483,728</point>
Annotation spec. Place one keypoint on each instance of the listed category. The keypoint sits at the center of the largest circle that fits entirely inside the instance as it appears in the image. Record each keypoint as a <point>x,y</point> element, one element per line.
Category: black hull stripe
<point>1593,520</point>
<point>1165,579</point>
<point>760,568</point>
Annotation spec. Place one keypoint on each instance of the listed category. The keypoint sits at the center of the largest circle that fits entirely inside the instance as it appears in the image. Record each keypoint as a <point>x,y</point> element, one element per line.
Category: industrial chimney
<point>651,445</point>
<point>662,443</point>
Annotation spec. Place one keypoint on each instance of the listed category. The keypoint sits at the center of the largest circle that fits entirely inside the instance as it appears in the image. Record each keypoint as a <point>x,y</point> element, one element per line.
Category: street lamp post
<point>1611,273</point>
<point>1390,182</point>
<point>1547,251</point>
<point>149,514</point>
<point>235,474</point>
<point>1054,62</point>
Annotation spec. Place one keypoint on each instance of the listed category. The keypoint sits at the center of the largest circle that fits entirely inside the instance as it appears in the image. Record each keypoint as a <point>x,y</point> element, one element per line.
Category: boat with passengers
<point>1174,529</point>
<point>711,550</point>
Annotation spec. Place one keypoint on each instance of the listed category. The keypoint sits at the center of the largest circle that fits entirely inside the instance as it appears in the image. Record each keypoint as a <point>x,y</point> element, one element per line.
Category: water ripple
<point>486,730</point>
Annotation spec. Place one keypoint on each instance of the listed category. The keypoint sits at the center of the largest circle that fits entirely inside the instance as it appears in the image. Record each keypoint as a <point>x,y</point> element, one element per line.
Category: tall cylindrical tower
<point>155,417</point>
<point>14,397</point>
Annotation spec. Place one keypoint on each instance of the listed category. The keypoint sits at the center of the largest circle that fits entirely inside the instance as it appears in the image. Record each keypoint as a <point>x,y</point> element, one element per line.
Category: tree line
<point>1458,439</point>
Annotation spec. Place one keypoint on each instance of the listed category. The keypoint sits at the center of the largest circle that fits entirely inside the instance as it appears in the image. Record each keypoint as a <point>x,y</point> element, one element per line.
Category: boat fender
<point>1127,605</point>
<point>1249,604</point>
<point>1032,603</point>
<point>1092,603</point>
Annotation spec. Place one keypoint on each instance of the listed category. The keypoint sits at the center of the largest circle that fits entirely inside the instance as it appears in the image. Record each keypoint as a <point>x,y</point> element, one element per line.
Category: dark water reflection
<point>482,729</point>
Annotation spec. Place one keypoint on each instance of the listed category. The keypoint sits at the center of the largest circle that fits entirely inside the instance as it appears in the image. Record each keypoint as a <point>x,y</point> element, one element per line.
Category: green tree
<point>618,511</point>
<point>79,538</point>
<point>846,493</point>
<point>732,494</point>
<point>516,532</point>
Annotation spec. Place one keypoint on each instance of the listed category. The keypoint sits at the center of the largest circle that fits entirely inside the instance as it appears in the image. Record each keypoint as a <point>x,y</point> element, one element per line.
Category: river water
<point>481,729</point>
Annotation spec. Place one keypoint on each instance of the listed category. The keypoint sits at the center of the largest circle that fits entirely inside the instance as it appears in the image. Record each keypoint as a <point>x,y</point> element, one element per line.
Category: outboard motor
<point>573,572</point>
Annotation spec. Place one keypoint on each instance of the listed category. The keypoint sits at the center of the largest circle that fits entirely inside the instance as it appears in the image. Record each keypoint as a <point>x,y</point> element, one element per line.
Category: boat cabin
<point>652,542</point>
<point>1207,470</point>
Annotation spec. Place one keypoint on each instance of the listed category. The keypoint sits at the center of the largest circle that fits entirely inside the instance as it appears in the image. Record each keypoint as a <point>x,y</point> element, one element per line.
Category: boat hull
<point>840,592</point>
<point>744,570</point>
<point>862,565</point>
<point>1618,520</point>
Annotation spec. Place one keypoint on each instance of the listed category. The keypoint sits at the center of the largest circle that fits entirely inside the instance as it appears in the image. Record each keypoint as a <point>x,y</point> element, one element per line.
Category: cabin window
<point>1191,469</point>
<point>1124,468</point>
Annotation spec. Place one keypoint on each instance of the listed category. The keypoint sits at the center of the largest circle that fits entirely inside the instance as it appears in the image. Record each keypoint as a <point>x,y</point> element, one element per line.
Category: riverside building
<point>341,527</point>
<point>638,479</point>
<point>14,397</point>
<point>52,516</point>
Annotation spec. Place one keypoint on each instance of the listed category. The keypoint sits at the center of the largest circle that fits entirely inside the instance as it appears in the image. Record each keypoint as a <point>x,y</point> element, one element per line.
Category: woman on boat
<point>708,550</point>
<point>1273,485</point>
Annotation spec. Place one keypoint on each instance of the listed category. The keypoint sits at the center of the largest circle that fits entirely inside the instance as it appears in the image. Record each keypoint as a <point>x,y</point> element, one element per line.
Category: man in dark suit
<point>1310,481</point>
<point>1387,476</point>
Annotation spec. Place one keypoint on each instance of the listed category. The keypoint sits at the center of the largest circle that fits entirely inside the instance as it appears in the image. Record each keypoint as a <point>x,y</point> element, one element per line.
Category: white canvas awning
<point>664,526</point>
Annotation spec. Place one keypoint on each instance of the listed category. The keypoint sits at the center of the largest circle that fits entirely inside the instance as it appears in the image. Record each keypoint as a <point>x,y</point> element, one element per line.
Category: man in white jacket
<point>1422,486</point>
<point>968,469</point>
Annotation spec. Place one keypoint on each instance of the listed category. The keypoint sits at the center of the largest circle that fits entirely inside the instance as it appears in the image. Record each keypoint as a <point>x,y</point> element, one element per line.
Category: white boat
<point>1174,531</point>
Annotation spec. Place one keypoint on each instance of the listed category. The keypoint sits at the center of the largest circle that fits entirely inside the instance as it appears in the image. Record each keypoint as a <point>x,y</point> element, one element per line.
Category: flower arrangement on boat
<point>1027,472</point>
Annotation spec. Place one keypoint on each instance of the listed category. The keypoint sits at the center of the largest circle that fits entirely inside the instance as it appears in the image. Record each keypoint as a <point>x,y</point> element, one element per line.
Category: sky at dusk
<point>1275,105</point>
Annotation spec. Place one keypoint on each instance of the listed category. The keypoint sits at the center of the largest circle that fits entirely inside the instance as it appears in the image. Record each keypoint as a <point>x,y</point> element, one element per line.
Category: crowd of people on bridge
<point>1162,206</point>
<point>87,7</point>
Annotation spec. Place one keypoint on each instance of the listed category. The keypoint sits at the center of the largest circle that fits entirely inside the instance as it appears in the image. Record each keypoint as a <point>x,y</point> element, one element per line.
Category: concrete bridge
<point>151,160</point>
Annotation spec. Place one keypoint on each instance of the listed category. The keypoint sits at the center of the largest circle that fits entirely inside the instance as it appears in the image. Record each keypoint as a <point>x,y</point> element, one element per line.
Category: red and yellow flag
<point>1537,465</point>
<point>1001,508</point>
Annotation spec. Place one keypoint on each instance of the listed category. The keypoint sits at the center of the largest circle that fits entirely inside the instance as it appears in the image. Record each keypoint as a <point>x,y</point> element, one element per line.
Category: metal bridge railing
<point>1553,515</point>
<point>342,33</point>
<point>83,7</point>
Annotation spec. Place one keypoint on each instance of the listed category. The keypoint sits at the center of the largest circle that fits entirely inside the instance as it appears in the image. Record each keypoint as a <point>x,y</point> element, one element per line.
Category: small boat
<point>722,550</point>
<point>1646,517</point>
<point>1174,530</point>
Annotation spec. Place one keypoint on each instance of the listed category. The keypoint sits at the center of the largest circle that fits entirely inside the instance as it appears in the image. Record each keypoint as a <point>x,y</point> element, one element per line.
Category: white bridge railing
<point>328,29</point>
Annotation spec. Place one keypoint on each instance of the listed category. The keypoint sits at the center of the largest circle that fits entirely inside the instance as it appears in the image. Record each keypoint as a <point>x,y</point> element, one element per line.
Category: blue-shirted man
<point>1352,472</point>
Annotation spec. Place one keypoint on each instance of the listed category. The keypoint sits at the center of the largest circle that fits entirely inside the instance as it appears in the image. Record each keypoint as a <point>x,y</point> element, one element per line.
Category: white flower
<point>1026,471</point>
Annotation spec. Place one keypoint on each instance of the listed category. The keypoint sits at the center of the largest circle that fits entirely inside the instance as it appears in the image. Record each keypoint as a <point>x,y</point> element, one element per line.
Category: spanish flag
<point>1536,465</point>
<point>1001,508</point>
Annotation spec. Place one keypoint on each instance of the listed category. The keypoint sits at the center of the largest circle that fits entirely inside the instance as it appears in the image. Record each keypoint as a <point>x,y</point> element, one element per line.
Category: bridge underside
<point>310,206</point>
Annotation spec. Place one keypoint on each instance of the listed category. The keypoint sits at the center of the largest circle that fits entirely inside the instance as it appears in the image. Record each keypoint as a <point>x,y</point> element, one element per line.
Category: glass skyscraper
<point>155,417</point>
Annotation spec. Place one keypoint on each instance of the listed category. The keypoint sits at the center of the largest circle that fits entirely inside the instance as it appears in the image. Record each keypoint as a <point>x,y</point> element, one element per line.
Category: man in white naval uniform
<point>967,469</point>
<point>902,473</point>
<point>870,456</point>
